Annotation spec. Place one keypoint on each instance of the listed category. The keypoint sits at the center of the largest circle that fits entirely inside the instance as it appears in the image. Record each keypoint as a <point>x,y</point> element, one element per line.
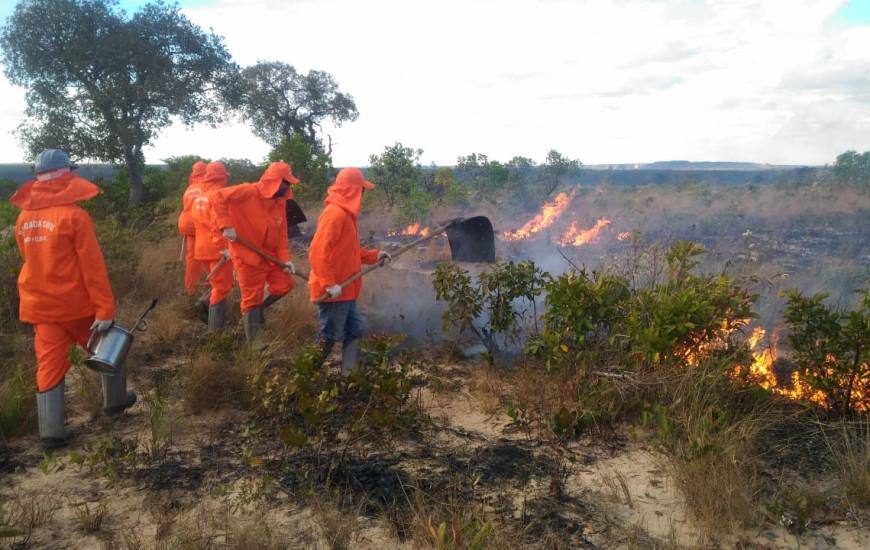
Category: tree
<point>557,168</point>
<point>481,173</point>
<point>310,164</point>
<point>279,102</point>
<point>396,172</point>
<point>853,168</point>
<point>102,86</point>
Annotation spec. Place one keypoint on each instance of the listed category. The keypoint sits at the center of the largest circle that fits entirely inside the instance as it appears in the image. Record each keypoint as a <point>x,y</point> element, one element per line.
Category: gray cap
<point>51,159</point>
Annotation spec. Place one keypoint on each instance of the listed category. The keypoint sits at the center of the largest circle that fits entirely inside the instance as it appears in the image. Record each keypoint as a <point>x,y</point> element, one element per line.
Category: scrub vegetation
<point>643,344</point>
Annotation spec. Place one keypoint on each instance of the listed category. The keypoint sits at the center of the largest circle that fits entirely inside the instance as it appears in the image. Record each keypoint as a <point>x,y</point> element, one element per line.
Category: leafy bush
<point>831,350</point>
<point>601,320</point>
<point>494,302</point>
<point>577,321</point>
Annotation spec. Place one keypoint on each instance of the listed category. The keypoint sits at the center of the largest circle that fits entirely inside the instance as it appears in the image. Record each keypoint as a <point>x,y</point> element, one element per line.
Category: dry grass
<point>88,389</point>
<point>89,518</point>
<point>486,384</point>
<point>336,524</point>
<point>30,511</point>
<point>209,383</point>
<point>17,400</point>
<point>714,448</point>
<point>852,461</point>
<point>160,273</point>
<point>720,493</point>
<point>211,525</point>
<point>291,322</point>
<point>617,488</point>
<point>448,520</point>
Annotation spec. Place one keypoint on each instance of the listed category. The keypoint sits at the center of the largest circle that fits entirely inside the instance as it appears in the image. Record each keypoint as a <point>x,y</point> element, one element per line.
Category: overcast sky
<point>600,81</point>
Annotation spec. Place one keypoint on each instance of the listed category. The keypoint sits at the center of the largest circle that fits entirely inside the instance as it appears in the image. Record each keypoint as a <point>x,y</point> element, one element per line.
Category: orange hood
<point>215,176</point>
<point>197,172</point>
<point>64,189</point>
<point>271,179</point>
<point>347,190</point>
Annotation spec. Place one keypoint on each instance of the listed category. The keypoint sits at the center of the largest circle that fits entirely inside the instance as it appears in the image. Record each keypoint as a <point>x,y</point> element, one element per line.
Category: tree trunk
<point>137,189</point>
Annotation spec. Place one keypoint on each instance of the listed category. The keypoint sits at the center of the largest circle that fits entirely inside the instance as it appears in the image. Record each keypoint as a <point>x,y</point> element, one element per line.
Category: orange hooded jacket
<point>194,189</point>
<point>207,247</point>
<point>64,276</point>
<point>335,253</point>
<point>257,218</point>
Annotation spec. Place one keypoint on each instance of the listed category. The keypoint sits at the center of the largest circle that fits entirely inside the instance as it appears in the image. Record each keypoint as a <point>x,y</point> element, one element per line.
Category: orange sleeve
<point>369,255</point>
<point>220,210</point>
<point>94,273</point>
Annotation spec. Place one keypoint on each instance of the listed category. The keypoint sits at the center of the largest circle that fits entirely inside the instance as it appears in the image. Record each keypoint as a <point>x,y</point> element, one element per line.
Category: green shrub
<point>831,350</point>
<point>493,303</point>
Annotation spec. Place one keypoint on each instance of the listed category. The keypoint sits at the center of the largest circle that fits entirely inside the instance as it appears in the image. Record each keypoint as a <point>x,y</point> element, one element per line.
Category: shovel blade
<point>295,215</point>
<point>472,240</point>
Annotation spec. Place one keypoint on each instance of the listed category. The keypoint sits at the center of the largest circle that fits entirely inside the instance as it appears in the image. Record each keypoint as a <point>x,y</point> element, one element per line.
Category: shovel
<point>470,239</point>
<point>272,259</point>
<point>221,262</point>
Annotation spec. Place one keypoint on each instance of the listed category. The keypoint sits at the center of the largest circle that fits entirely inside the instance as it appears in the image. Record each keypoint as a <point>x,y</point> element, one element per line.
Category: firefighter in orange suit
<point>256,213</point>
<point>192,267</point>
<point>211,252</point>
<point>335,255</point>
<point>63,286</point>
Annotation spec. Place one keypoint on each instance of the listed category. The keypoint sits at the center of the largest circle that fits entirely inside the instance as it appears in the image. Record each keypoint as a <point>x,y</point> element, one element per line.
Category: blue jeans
<point>339,322</point>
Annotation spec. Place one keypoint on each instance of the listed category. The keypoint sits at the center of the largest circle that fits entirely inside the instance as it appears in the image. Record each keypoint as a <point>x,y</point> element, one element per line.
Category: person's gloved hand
<point>101,325</point>
<point>333,291</point>
<point>230,233</point>
<point>225,252</point>
<point>289,268</point>
<point>385,256</point>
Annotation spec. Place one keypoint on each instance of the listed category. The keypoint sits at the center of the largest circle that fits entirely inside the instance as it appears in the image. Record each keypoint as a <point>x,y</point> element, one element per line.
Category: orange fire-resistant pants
<point>192,267</point>
<point>221,282</point>
<point>52,343</point>
<point>254,278</point>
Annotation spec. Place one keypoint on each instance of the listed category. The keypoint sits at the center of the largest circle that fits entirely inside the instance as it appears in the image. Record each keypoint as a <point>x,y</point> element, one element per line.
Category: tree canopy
<point>101,85</point>
<point>853,168</point>
<point>396,172</point>
<point>279,102</point>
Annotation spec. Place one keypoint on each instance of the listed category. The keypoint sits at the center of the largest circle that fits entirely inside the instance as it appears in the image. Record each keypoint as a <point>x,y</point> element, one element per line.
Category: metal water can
<point>107,351</point>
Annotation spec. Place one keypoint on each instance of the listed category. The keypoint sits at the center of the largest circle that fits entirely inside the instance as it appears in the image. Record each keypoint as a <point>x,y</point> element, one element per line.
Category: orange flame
<point>624,235</point>
<point>413,229</point>
<point>549,212</point>
<point>577,237</point>
<point>761,373</point>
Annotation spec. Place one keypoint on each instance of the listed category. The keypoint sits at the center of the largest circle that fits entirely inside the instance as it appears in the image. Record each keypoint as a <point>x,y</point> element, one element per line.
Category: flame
<point>762,374</point>
<point>549,212</point>
<point>413,229</point>
<point>577,237</point>
<point>624,235</point>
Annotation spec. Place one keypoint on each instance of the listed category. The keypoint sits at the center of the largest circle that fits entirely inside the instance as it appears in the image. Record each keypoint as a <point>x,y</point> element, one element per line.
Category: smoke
<point>774,237</point>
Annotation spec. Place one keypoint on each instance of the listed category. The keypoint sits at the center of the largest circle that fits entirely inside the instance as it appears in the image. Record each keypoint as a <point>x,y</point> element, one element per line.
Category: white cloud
<point>604,81</point>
